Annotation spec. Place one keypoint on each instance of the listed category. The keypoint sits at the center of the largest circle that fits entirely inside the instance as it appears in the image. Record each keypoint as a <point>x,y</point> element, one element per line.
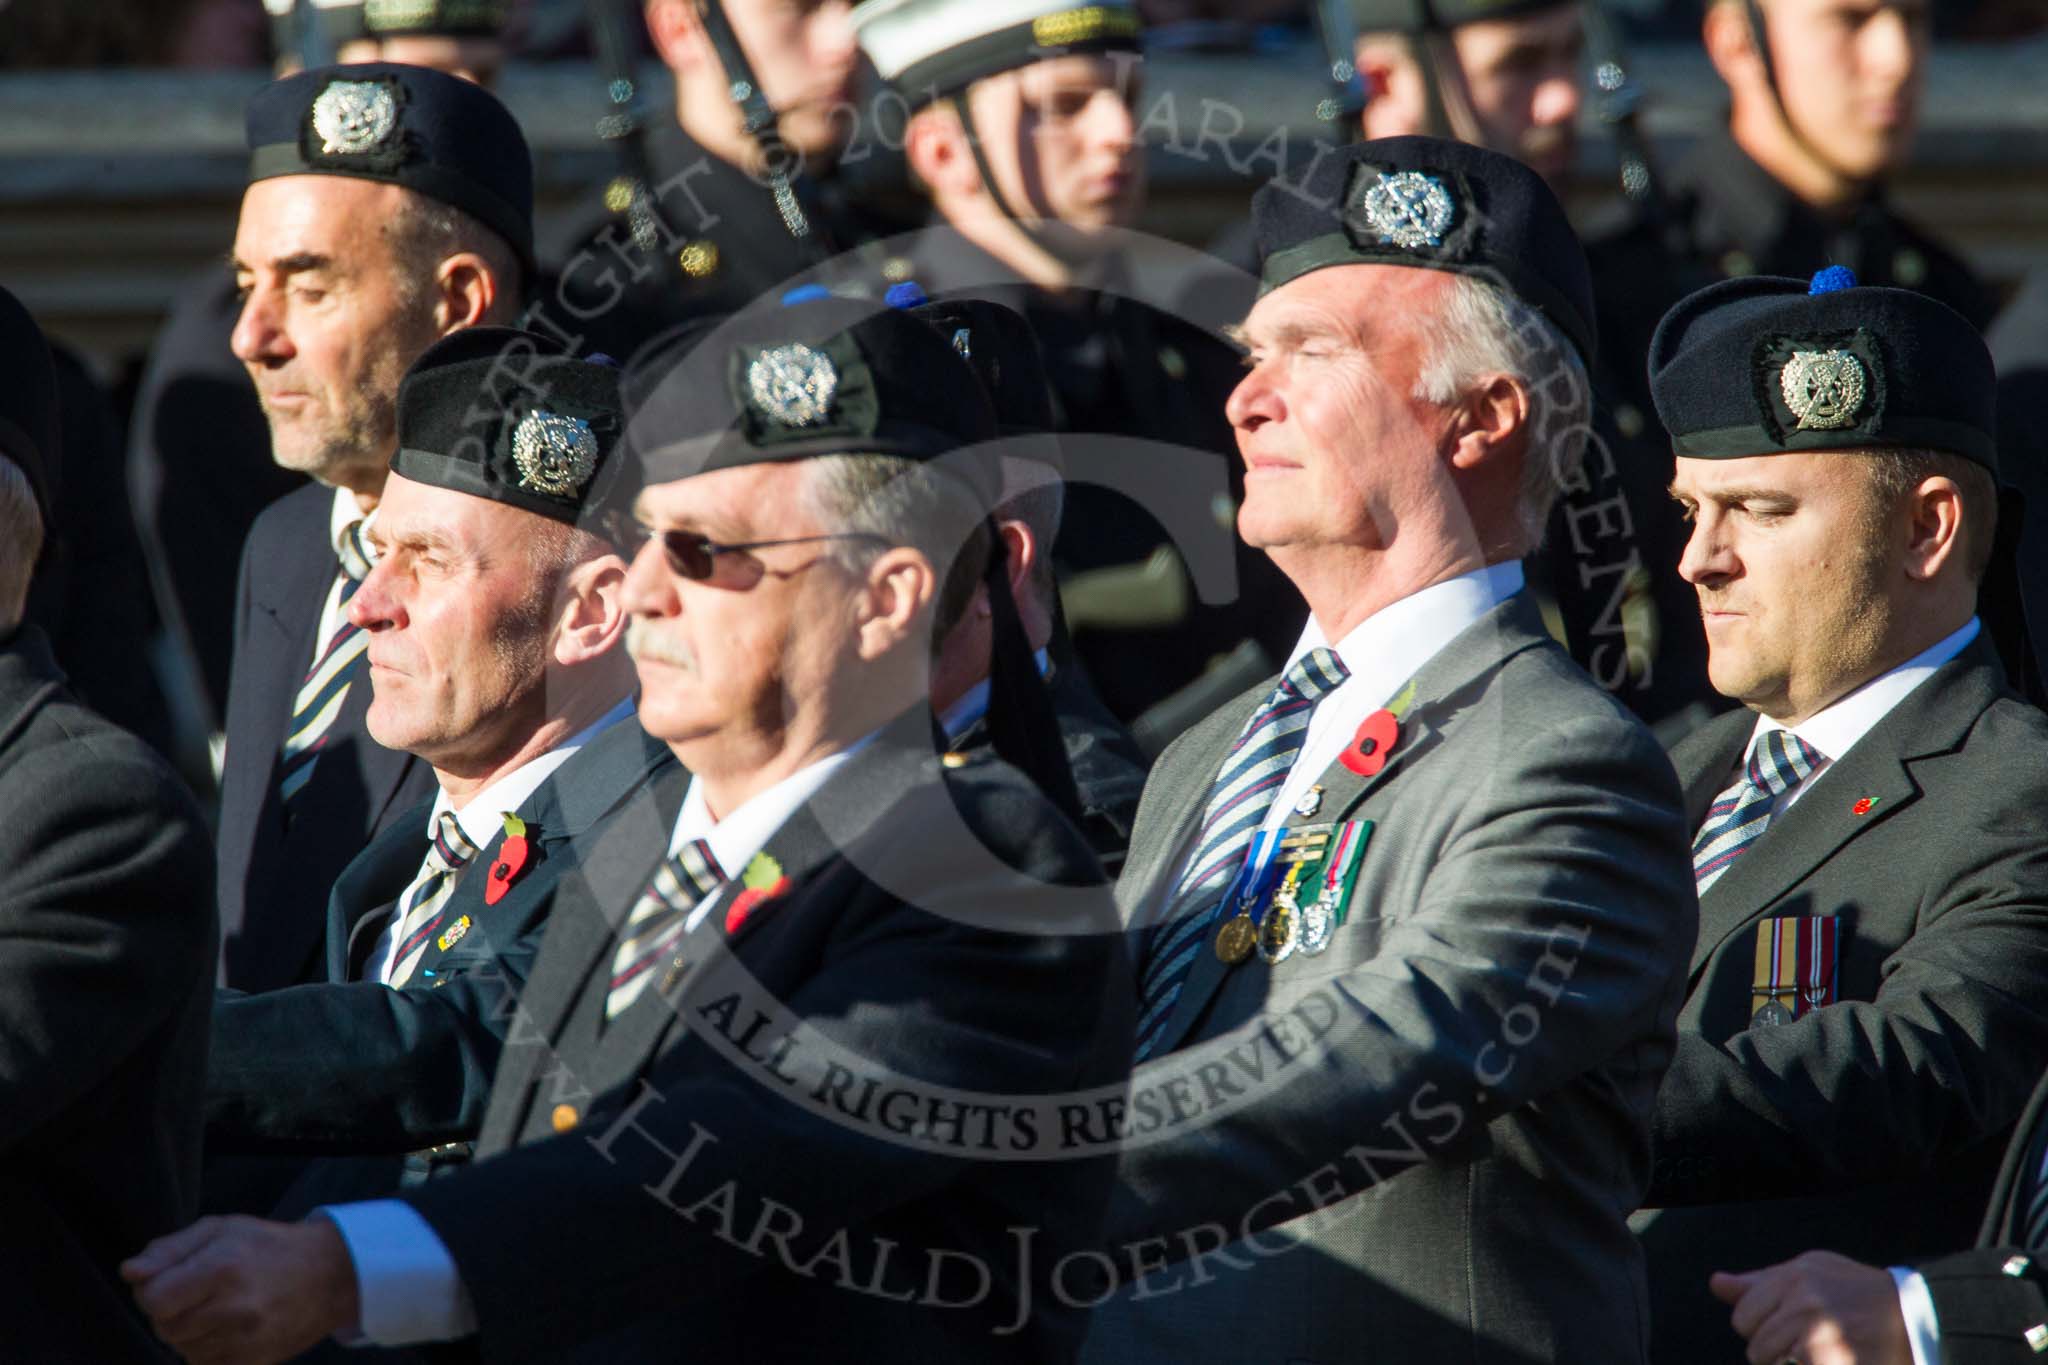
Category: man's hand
<point>1818,1309</point>
<point>240,1291</point>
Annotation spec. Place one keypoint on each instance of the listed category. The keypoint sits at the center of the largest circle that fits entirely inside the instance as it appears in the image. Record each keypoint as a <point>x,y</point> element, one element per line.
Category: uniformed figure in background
<point>738,192</point>
<point>199,466</point>
<point>1024,133</point>
<point>332,316</point>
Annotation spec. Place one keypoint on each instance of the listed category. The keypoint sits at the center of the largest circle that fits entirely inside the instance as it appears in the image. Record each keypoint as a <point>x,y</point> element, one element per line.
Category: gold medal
<point>1234,939</point>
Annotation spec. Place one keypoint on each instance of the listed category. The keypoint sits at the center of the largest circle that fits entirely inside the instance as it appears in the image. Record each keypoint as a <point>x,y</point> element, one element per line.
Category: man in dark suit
<point>1867,1004</point>
<point>436,923</point>
<point>931,925</point>
<point>106,945</point>
<point>1418,1116</point>
<point>332,317</point>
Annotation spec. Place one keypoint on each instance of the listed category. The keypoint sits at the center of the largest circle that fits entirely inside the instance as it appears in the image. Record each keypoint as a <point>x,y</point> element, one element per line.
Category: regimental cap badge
<point>793,384</point>
<point>1409,209</point>
<point>353,117</point>
<point>1825,390</point>
<point>556,455</point>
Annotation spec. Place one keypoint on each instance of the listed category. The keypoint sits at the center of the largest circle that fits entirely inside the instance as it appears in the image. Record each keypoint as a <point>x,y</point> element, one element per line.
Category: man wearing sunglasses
<point>495,656</point>
<point>927,919</point>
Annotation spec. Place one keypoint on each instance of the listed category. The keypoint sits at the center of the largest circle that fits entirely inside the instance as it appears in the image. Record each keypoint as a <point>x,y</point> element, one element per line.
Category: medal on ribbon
<point>1234,941</point>
<point>1332,882</point>
<point>1795,968</point>
<point>1301,848</point>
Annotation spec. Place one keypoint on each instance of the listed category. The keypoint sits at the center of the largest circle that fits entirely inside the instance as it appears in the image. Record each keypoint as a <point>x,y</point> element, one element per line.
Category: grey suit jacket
<point>1872,1127</point>
<point>1423,1144</point>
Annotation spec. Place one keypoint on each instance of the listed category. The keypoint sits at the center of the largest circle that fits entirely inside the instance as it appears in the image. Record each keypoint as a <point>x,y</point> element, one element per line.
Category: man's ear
<point>1023,549</point>
<point>935,148</point>
<point>1491,419</point>
<point>677,33</point>
<point>901,589</point>
<point>1393,87</point>
<point>592,616</point>
<point>466,292</point>
<point>1934,530</point>
<point>1730,45</point>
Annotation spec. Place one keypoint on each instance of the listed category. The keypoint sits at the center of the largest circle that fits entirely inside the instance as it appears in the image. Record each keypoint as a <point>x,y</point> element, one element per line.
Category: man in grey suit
<point>1867,1008</point>
<point>1411,919</point>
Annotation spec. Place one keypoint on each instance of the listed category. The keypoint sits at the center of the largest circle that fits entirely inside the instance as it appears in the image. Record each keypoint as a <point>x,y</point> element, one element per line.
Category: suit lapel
<point>373,881</point>
<point>1441,687</point>
<point>1705,762</point>
<point>1931,719</point>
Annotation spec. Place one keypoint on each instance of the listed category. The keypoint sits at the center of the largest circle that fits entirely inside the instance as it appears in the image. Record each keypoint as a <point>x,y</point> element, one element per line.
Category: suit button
<point>566,1117</point>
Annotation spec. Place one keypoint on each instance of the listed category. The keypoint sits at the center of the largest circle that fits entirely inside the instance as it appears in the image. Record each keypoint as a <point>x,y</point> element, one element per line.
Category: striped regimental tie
<point>1246,787</point>
<point>425,902</point>
<point>1777,763</point>
<point>658,919</point>
<point>326,686</point>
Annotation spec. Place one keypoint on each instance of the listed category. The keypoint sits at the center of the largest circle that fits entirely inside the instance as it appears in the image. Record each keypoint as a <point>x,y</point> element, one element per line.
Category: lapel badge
<point>793,384</point>
<point>511,861</point>
<point>1311,801</point>
<point>1377,735</point>
<point>763,880</point>
<point>456,932</point>
<point>1824,389</point>
<point>353,117</point>
<point>699,259</point>
<point>556,455</point>
<point>1409,209</point>
<point>1864,805</point>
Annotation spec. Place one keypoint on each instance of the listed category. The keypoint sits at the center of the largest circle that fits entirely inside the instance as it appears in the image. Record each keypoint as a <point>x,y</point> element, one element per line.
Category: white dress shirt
<point>1835,728</point>
<point>973,703</point>
<point>482,816</point>
<point>407,1283</point>
<point>343,514</point>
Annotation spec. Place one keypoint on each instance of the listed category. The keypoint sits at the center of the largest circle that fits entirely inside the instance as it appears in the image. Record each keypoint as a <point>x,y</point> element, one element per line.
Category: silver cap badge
<point>793,384</point>
<point>1409,209</point>
<point>1824,389</point>
<point>556,455</point>
<point>354,116</point>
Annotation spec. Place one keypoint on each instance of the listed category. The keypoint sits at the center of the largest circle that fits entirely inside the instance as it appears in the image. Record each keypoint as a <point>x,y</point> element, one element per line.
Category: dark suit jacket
<point>274,869</point>
<point>1987,1299</point>
<point>1423,1144</point>
<point>106,942</point>
<point>904,940</point>
<point>353,1066</point>
<point>1871,1127</point>
<point>1108,767</point>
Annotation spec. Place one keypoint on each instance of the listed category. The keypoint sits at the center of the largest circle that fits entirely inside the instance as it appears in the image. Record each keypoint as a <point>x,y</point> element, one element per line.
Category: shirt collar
<point>739,836</point>
<point>1388,647</point>
<point>973,703</point>
<point>481,817</point>
<point>1835,728</point>
<point>344,513</point>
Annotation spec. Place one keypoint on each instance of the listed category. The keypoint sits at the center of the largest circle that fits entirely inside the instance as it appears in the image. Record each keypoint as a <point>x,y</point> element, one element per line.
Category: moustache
<point>645,641</point>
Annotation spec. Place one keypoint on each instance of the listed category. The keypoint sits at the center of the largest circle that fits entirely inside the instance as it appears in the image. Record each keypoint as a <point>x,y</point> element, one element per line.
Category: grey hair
<point>902,502</point>
<point>425,232</point>
<point>1483,331</point>
<point>21,541</point>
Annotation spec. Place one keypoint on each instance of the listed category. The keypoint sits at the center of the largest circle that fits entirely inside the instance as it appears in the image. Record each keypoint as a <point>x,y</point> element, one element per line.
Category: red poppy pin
<point>1367,752</point>
<point>1862,806</point>
<point>763,880</point>
<point>512,856</point>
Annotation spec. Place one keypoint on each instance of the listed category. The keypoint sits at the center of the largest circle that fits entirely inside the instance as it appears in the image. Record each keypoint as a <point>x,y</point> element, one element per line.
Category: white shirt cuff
<point>1916,1306</point>
<point>407,1282</point>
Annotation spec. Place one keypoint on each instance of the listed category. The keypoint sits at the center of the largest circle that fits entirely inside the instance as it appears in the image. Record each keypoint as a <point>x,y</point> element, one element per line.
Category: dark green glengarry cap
<point>1002,347</point>
<point>436,134</point>
<point>1434,205</point>
<point>507,415</point>
<point>1417,16</point>
<point>930,49</point>
<point>1764,365</point>
<point>827,376</point>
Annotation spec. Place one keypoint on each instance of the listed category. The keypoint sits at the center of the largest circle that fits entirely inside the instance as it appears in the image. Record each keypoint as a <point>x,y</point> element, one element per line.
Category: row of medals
<point>1287,923</point>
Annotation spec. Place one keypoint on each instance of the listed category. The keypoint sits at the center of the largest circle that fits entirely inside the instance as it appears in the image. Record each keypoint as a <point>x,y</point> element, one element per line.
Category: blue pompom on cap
<point>805,293</point>
<point>908,294</point>
<point>1831,279</point>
